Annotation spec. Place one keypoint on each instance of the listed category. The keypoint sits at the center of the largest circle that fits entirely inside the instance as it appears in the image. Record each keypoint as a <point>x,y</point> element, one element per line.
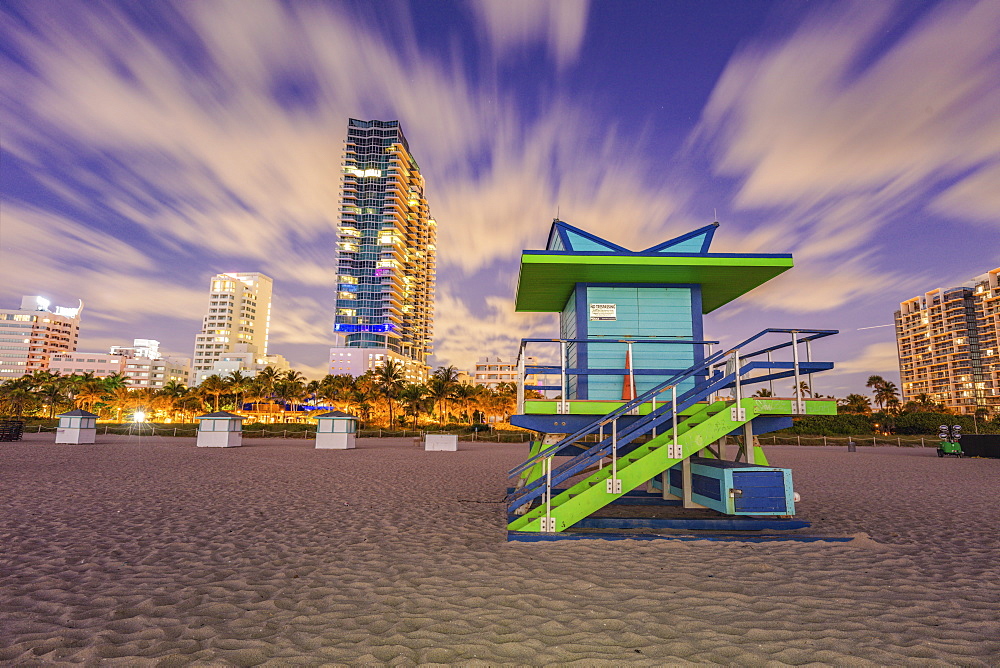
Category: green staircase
<point>706,425</point>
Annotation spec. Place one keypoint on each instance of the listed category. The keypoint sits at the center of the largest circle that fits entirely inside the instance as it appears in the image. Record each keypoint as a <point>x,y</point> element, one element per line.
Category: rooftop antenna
<point>715,215</point>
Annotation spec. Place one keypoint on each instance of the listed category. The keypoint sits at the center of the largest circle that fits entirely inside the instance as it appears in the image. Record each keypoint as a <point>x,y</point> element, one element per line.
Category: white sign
<point>603,311</point>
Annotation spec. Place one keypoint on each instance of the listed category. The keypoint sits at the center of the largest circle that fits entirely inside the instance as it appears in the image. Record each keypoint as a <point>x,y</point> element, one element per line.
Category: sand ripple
<point>156,553</point>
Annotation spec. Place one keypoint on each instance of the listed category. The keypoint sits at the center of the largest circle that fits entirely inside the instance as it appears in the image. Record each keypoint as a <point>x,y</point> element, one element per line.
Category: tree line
<point>380,397</point>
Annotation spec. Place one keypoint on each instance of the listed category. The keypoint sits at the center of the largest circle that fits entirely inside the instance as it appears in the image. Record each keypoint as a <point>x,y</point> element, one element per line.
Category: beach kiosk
<point>220,430</point>
<point>646,410</point>
<point>77,427</point>
<point>335,431</point>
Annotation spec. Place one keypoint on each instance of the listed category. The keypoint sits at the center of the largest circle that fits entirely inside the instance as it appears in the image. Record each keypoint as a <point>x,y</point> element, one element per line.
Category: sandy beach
<point>149,551</point>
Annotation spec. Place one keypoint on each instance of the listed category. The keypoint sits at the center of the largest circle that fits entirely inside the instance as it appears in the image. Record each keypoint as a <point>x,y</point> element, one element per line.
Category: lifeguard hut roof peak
<point>548,277</point>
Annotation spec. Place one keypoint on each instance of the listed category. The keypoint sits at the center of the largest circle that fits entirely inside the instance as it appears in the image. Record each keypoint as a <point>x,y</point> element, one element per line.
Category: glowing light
<point>139,416</point>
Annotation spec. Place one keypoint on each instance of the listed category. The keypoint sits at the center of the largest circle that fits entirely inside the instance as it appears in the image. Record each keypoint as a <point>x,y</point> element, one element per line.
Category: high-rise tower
<point>238,320</point>
<point>949,345</point>
<point>386,251</point>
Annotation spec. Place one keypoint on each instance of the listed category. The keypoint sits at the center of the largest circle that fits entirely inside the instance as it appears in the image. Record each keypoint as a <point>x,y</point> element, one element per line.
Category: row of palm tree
<point>885,396</point>
<point>382,396</point>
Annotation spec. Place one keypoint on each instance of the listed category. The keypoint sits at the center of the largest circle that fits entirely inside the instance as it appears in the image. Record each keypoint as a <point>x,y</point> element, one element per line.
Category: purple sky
<point>147,146</point>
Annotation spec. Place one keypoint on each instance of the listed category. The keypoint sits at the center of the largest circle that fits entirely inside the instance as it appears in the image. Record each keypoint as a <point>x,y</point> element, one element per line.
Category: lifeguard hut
<point>336,430</point>
<point>220,430</point>
<point>77,427</point>
<point>645,402</point>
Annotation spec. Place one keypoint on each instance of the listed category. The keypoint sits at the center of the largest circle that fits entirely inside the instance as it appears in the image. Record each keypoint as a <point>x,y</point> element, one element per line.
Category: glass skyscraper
<point>386,248</point>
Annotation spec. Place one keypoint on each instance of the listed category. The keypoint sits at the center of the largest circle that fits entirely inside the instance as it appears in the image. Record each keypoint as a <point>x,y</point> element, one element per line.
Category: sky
<point>146,146</point>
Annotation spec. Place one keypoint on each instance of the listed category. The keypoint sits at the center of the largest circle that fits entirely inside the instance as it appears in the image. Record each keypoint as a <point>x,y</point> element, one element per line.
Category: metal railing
<point>565,370</point>
<point>726,369</point>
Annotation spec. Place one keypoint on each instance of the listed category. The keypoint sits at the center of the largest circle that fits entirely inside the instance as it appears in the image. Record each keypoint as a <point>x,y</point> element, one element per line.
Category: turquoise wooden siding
<point>641,312</point>
<point>692,245</point>
<point>581,243</point>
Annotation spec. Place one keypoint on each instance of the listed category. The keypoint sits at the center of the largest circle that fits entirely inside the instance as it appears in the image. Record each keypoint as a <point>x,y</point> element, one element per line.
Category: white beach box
<point>335,431</point>
<point>76,427</point>
<point>220,430</point>
<point>446,442</point>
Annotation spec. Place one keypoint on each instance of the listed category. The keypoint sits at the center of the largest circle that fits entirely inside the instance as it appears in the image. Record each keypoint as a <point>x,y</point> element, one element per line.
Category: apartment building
<point>948,341</point>
<point>238,312</point>
<point>31,334</point>
<point>386,250</point>
<point>491,371</point>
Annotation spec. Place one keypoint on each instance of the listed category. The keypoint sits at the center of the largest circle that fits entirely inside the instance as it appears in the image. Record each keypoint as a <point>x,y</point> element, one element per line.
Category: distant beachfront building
<point>30,335</point>
<point>247,362</point>
<point>491,371</point>
<point>100,365</point>
<point>140,348</point>
<point>239,312</point>
<point>358,361</point>
<point>386,254</point>
<point>141,364</point>
<point>948,341</point>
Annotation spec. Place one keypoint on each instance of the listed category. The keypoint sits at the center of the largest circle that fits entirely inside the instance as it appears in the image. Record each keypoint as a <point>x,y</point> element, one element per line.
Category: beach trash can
<point>77,426</point>
<point>220,430</point>
<point>336,431</point>
<point>446,442</point>
<point>852,446</point>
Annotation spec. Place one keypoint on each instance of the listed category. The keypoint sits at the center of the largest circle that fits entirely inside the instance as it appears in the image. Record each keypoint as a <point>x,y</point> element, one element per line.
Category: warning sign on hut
<point>603,311</point>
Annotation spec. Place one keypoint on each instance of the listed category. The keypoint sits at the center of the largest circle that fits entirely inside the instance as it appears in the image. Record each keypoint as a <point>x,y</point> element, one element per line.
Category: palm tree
<point>90,393</point>
<point>412,396</point>
<point>389,379</point>
<point>312,389</point>
<point>115,381</point>
<point>876,382</point>
<point>439,390</point>
<point>121,400</point>
<point>266,378</point>
<point>16,396</point>
<point>336,389</point>
<point>763,392</point>
<point>294,376</point>
<point>214,386</point>
<point>289,392</point>
<point>173,394</point>
<point>238,383</point>
<point>887,394</point>
<point>464,395</point>
<point>856,403</point>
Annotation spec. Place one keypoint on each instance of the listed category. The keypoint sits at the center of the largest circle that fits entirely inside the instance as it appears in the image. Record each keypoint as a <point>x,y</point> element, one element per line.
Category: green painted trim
<point>759,457</point>
<point>545,282</point>
<point>535,472</point>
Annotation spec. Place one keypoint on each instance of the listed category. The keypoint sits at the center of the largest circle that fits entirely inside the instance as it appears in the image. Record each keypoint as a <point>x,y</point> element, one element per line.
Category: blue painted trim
<point>708,231</point>
<point>531,537</point>
<point>698,330</point>
<point>763,256</point>
<point>582,351</point>
<point>693,524</point>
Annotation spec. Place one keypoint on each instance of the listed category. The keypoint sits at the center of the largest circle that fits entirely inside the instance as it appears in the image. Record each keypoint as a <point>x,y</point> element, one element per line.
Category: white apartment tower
<point>239,312</point>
